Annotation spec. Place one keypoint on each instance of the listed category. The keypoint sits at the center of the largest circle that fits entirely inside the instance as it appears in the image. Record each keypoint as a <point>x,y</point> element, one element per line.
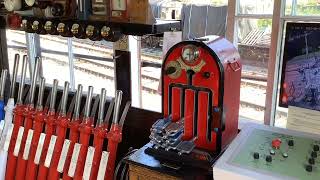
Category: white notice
<point>8,138</point>
<point>88,164</point>
<point>103,165</point>
<point>28,145</point>
<point>63,156</point>
<point>50,151</point>
<point>74,160</point>
<point>18,141</point>
<point>39,148</point>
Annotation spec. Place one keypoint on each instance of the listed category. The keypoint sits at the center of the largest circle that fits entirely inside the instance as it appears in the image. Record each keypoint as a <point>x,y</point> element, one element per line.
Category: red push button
<point>276,143</point>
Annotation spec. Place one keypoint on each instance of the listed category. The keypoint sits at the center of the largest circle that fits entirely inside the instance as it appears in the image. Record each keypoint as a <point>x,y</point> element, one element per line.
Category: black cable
<point>121,162</point>
<point>123,173</point>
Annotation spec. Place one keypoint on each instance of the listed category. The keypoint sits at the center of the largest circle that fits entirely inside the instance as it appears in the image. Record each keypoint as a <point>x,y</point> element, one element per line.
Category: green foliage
<point>264,23</point>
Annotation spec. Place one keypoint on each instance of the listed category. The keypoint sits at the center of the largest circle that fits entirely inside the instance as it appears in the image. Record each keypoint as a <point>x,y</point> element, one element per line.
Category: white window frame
<point>274,64</point>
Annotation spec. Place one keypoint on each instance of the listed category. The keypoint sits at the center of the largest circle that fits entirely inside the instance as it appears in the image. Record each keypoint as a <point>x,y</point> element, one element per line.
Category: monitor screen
<point>300,81</point>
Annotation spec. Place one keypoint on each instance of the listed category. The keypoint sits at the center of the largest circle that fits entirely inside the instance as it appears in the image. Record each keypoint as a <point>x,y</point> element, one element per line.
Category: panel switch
<point>291,142</point>
<point>269,158</point>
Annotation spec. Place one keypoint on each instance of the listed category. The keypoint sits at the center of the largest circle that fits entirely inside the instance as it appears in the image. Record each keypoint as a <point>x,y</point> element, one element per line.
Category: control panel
<point>263,152</point>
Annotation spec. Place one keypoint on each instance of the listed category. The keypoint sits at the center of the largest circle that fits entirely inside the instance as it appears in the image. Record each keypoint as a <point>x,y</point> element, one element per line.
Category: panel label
<point>103,165</point>
<point>8,138</point>
<point>50,151</point>
<point>88,164</point>
<point>28,145</point>
<point>18,141</point>
<point>74,160</point>
<point>63,156</point>
<point>39,148</point>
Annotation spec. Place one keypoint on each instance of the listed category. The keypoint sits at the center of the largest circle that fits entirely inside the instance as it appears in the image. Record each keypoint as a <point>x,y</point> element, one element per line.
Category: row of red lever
<point>37,142</point>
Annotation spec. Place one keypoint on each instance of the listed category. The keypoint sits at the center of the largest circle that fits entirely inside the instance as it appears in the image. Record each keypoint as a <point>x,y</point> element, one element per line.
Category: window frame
<point>279,18</point>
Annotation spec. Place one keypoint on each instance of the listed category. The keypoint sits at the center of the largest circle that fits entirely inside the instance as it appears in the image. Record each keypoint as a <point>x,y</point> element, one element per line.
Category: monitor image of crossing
<point>301,66</point>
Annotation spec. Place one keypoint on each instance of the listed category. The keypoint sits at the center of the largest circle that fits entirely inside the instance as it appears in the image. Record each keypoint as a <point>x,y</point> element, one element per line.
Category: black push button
<point>314,154</point>
<point>311,161</point>
<point>170,70</point>
<point>269,158</point>
<point>291,142</point>
<point>309,168</point>
<point>256,155</point>
<point>316,147</point>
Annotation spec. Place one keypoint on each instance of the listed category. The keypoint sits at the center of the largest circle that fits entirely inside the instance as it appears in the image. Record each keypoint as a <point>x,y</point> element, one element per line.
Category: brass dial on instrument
<point>119,5</point>
<point>173,70</point>
<point>24,24</point>
<point>48,26</point>
<point>75,28</point>
<point>105,31</point>
<point>61,27</point>
<point>30,3</point>
<point>89,30</point>
<point>12,5</point>
<point>190,53</point>
<point>35,25</point>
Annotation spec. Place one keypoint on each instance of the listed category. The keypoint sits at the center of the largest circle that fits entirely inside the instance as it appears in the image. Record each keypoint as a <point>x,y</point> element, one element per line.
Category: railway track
<point>258,83</point>
<point>154,90</point>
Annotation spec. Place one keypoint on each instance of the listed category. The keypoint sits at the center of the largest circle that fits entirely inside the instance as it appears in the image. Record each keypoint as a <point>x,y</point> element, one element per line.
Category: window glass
<point>255,7</point>
<point>16,42</point>
<point>254,36</point>
<point>151,98</point>
<point>93,65</point>
<point>151,58</point>
<point>55,61</point>
<point>211,2</point>
<point>302,8</point>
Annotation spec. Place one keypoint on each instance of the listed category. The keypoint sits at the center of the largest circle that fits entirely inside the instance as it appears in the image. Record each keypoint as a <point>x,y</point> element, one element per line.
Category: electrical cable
<point>123,172</point>
<point>121,162</point>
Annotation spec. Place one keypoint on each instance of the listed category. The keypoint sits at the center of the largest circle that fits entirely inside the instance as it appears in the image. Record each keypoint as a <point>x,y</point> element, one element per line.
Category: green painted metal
<point>293,166</point>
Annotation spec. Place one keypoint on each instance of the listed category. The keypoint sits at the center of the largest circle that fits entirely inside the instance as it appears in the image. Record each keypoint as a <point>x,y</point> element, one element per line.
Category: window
<point>150,78</point>
<point>152,53</point>
<point>77,61</point>
<point>253,35</point>
<point>55,61</point>
<point>17,44</point>
<point>295,10</point>
<point>302,8</point>
<point>257,7</point>
<point>93,64</point>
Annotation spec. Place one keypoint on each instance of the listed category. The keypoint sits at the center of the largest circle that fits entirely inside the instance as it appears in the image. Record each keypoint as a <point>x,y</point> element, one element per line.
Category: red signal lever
<point>18,121</point>
<point>38,125</point>
<point>100,133</point>
<point>86,128</point>
<point>49,130</point>
<point>115,134</point>
<point>74,132</point>
<point>61,130</point>
<point>28,121</point>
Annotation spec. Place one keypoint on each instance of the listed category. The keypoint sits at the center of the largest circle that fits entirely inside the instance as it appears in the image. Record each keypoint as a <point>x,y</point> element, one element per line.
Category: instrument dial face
<point>12,5</point>
<point>30,2</point>
<point>119,5</point>
<point>173,69</point>
<point>105,31</point>
<point>48,26</point>
<point>190,53</point>
<point>75,28</point>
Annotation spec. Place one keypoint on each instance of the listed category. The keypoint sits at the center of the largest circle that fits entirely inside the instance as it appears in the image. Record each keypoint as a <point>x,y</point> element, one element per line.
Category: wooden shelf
<point>159,27</point>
